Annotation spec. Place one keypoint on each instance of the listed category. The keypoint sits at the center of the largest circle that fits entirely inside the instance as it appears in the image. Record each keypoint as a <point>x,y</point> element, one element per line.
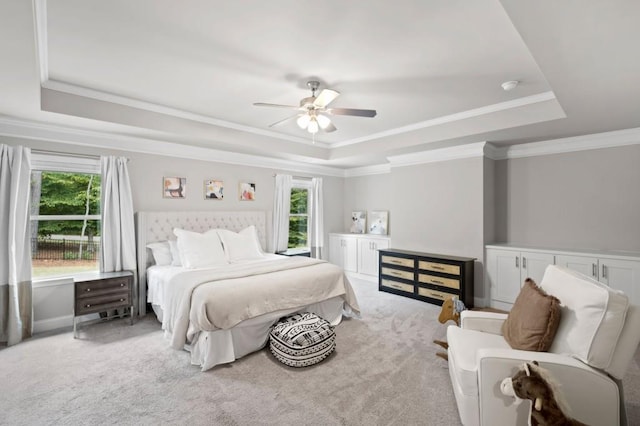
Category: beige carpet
<point>384,372</point>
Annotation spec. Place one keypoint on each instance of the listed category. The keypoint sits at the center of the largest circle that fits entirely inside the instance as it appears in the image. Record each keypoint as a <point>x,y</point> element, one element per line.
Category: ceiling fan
<point>313,115</point>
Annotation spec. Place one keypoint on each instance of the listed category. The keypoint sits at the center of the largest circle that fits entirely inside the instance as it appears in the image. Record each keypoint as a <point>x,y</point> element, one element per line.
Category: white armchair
<point>596,340</point>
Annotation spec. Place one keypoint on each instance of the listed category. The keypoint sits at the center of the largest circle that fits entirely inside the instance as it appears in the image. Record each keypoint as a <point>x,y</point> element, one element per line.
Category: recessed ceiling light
<point>510,85</point>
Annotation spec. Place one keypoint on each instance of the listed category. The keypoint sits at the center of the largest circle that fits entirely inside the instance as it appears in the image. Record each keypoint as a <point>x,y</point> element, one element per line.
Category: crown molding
<point>571,144</point>
<point>442,154</point>
<point>464,115</point>
<point>377,169</point>
<point>89,138</point>
<point>86,92</point>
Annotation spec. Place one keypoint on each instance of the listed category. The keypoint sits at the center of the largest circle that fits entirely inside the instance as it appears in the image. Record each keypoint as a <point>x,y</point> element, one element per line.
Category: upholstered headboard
<point>158,226</point>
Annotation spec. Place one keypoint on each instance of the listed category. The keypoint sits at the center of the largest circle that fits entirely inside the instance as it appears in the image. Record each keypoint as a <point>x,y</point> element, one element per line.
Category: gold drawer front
<point>434,294</point>
<point>445,282</point>
<point>398,286</point>
<point>397,273</point>
<point>392,260</point>
<point>439,267</point>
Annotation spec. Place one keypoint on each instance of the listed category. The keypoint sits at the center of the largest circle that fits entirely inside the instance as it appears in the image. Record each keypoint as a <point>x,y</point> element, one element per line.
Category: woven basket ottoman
<point>302,340</point>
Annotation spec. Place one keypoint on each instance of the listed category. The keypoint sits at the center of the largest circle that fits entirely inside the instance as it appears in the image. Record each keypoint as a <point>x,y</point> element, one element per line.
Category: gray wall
<point>586,199</point>
<point>367,193</point>
<point>434,207</point>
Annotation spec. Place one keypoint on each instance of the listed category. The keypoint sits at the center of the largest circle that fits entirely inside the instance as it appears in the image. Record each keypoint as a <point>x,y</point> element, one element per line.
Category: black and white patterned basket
<point>302,340</point>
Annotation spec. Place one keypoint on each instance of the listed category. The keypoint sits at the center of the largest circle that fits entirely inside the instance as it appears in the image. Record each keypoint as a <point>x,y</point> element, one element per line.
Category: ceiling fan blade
<point>325,98</point>
<point>263,104</point>
<point>352,111</point>
<point>283,120</point>
<point>330,128</point>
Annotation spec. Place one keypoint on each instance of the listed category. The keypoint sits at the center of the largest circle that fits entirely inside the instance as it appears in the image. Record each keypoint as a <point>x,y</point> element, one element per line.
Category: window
<point>65,215</point>
<point>299,215</point>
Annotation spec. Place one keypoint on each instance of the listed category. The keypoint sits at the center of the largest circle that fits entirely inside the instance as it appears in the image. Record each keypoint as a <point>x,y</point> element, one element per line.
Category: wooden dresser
<point>102,292</point>
<point>425,276</point>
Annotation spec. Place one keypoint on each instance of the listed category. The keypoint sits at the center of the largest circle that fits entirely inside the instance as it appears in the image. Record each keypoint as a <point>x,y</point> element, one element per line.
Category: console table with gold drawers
<point>425,276</point>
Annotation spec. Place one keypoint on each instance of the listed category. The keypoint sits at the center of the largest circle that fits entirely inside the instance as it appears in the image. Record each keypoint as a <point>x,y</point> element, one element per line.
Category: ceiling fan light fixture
<point>323,121</point>
<point>303,121</point>
<point>313,125</point>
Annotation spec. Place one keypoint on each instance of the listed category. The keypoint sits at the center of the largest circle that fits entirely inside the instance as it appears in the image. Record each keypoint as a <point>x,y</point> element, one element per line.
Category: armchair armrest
<point>591,395</point>
<point>488,322</point>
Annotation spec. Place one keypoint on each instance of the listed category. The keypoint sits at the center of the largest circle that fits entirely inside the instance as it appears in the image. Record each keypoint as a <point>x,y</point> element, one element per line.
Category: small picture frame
<point>247,191</point>
<point>174,187</point>
<point>358,222</point>
<point>213,189</point>
<point>378,221</point>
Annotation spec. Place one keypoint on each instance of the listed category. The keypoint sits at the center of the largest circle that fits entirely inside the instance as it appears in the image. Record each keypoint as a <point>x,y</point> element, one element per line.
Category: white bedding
<point>234,305</point>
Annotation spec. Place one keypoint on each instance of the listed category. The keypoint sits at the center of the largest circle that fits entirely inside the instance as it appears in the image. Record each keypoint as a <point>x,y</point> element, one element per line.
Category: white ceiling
<point>188,72</point>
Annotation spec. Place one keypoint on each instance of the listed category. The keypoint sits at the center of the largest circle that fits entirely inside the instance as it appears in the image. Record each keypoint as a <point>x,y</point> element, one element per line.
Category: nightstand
<point>101,292</point>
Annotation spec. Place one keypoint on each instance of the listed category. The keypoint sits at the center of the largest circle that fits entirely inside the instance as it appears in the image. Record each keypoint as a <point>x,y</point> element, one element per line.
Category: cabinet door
<point>336,255</point>
<point>586,265</point>
<point>503,273</point>
<point>623,275</point>
<point>368,254</point>
<point>533,265</point>
<point>350,254</point>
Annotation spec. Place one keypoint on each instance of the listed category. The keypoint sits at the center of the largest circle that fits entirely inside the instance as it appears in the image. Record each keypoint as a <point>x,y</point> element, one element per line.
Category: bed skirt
<point>212,348</point>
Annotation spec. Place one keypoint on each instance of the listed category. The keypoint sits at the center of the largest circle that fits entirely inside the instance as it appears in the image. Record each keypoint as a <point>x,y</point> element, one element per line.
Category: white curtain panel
<point>16,306</point>
<point>316,218</point>
<point>117,238</point>
<point>281,209</point>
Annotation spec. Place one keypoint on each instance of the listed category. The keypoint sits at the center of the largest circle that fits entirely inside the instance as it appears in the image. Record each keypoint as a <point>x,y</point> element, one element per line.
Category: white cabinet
<point>368,254</point>
<point>506,271</point>
<point>620,274</point>
<point>343,251</point>
<point>357,253</point>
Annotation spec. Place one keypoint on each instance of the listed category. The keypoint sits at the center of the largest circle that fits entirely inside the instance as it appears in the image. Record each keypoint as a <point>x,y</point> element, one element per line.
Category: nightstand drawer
<point>401,261</point>
<point>100,287</point>
<point>434,294</point>
<point>408,288</point>
<point>439,267</point>
<point>89,305</point>
<point>397,273</point>
<point>445,282</point>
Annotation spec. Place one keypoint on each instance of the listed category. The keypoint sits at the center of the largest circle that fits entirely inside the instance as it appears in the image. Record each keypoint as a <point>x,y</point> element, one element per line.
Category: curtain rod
<point>299,177</point>
<point>68,154</point>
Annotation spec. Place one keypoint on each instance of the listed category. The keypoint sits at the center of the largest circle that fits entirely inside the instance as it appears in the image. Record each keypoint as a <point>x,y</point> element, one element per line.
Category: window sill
<point>303,251</point>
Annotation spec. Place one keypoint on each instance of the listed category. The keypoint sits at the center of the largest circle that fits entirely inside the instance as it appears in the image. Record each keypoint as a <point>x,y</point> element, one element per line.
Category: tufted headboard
<point>158,226</point>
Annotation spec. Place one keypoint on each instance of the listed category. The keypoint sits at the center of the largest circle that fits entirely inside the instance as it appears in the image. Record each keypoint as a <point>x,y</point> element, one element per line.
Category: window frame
<point>301,184</point>
<point>65,163</point>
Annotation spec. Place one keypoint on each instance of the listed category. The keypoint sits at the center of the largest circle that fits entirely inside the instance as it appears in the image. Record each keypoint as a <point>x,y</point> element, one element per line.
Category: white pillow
<point>175,253</point>
<point>161,252</point>
<point>243,245</point>
<point>592,316</point>
<point>199,250</point>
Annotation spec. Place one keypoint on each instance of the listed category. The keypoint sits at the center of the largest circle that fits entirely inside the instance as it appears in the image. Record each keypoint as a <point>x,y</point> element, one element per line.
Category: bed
<point>222,311</point>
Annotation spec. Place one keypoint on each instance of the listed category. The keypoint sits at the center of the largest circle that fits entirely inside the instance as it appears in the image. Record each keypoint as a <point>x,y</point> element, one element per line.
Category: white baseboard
<point>52,323</point>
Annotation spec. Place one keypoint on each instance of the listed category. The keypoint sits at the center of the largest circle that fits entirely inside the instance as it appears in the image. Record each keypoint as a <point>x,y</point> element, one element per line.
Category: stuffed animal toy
<point>451,309</point>
<point>534,383</point>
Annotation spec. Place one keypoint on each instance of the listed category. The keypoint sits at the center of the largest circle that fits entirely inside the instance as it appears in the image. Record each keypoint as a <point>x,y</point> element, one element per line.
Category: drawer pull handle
<point>121,284</point>
<point>88,289</point>
<point>437,282</point>
<point>397,262</point>
<point>87,306</point>
<point>436,295</point>
<point>122,300</point>
<point>440,268</point>
<point>395,273</point>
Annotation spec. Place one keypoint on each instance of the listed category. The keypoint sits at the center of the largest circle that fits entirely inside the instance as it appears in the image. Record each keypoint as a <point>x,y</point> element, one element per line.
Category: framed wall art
<point>247,191</point>
<point>213,189</point>
<point>174,187</point>
<point>378,222</point>
<point>358,223</point>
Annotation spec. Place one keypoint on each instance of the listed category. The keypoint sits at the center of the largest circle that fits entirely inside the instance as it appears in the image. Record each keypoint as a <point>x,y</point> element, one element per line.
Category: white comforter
<point>220,298</point>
